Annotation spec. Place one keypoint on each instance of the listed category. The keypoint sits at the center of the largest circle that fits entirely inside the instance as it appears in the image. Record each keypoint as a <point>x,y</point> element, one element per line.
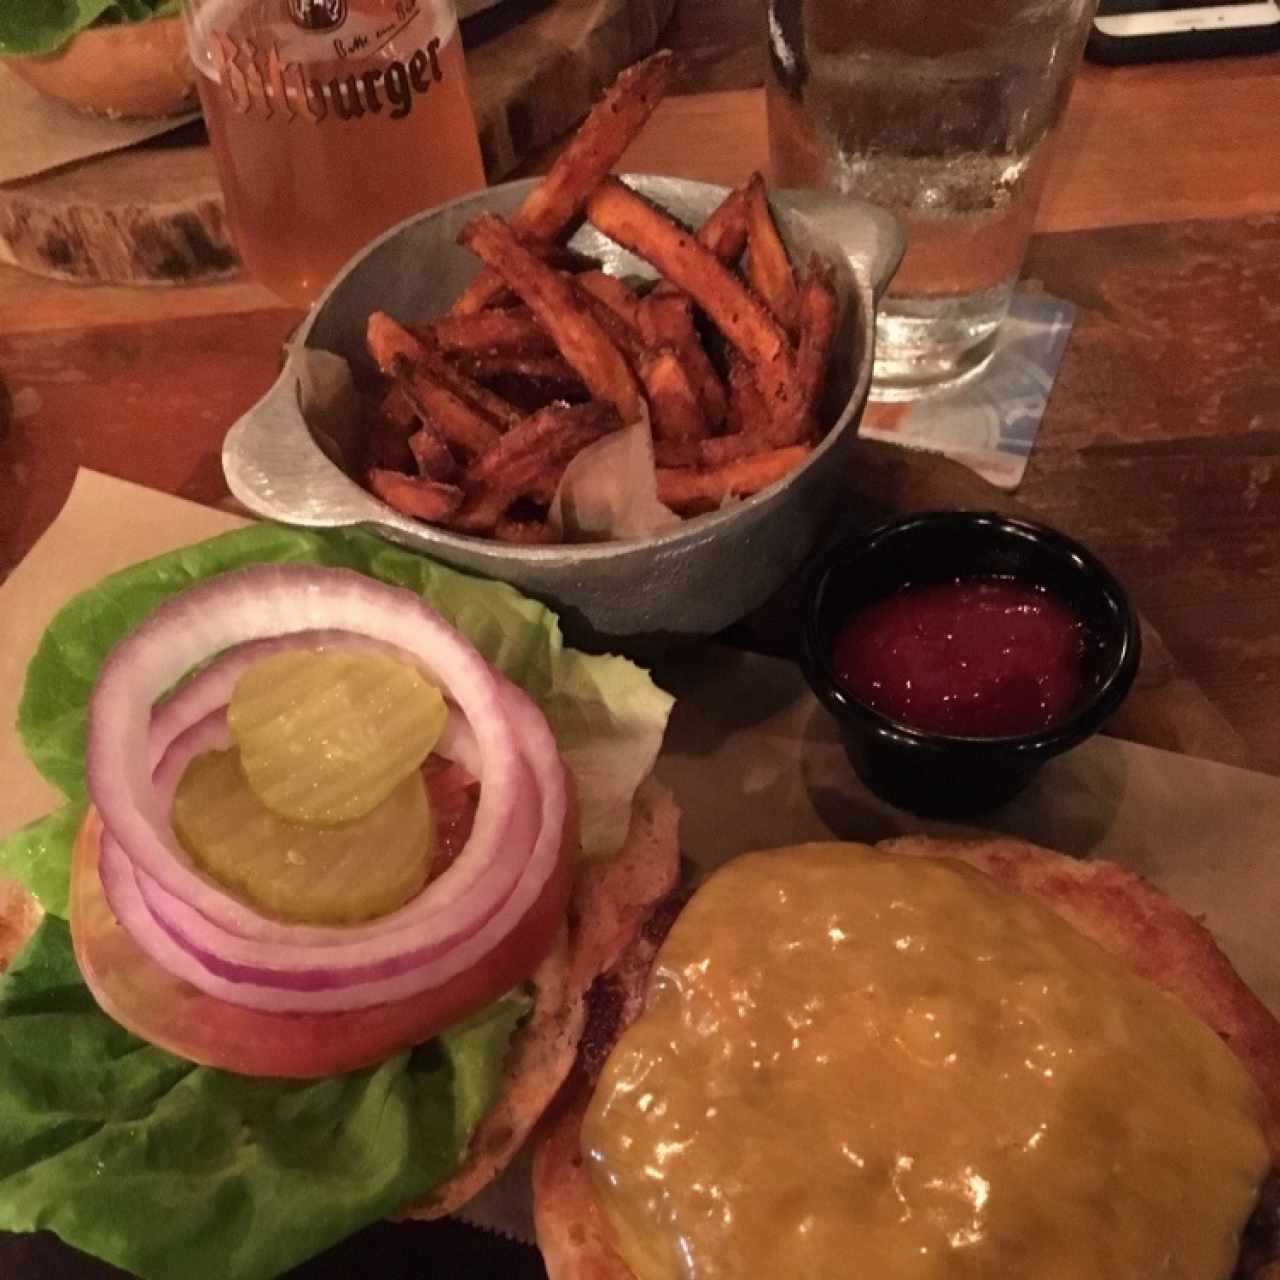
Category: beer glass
<point>943,112</point>
<point>331,120</point>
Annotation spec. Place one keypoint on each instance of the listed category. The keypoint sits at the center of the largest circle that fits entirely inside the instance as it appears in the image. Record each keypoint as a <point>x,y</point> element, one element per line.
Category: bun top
<point>850,1053</point>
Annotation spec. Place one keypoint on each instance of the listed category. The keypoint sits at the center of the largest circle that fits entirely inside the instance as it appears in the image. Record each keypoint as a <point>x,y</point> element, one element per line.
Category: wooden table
<point>1160,446</point>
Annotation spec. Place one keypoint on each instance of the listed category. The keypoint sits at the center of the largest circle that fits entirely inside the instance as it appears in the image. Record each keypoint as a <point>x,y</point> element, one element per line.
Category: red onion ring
<point>457,920</point>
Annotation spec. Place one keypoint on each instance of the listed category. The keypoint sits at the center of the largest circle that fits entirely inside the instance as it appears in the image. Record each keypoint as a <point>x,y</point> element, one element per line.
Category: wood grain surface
<point>146,216</point>
<point>154,215</point>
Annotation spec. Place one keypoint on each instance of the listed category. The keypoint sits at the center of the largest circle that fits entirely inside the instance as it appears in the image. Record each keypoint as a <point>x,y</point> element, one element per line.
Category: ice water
<point>943,112</point>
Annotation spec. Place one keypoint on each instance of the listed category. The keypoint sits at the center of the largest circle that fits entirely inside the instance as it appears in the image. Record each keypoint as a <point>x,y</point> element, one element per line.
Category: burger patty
<point>616,998</point>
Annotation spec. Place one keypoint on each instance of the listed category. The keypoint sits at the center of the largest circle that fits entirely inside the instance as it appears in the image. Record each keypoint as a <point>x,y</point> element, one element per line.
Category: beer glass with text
<point>331,120</point>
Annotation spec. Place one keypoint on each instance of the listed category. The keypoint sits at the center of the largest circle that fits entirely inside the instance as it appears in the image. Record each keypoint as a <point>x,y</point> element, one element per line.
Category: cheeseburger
<point>924,1059</point>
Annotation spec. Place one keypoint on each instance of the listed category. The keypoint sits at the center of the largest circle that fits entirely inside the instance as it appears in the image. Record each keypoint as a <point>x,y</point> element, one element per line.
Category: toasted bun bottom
<point>611,900</point>
<point>133,70</point>
<point>1117,909</point>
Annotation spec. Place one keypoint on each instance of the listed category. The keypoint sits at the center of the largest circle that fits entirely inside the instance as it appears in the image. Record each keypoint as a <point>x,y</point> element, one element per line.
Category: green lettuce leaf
<point>36,855</point>
<point>172,1170</point>
<point>44,26</point>
<point>178,1172</point>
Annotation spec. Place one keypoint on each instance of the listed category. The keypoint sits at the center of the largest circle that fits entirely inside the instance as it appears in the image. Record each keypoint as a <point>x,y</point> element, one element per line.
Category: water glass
<point>943,112</point>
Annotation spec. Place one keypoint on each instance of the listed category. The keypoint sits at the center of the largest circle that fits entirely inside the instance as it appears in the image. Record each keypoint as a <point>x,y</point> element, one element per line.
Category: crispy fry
<point>613,293</point>
<point>688,492</point>
<point>529,533</point>
<point>666,313</point>
<point>768,267</point>
<point>596,147</point>
<point>559,308</point>
<point>484,366</point>
<point>724,231</point>
<point>641,227</point>
<point>673,403</point>
<point>493,406</point>
<point>623,335</point>
<point>422,352</point>
<point>393,422</point>
<point>674,411</point>
<point>666,319</point>
<point>748,414</point>
<point>459,422</point>
<point>482,508</point>
<point>589,155</point>
<point>712,452</point>
<point>414,496</point>
<point>818,314</point>
<point>540,442</point>
<point>431,454</point>
<point>561,257</point>
<point>398,409</point>
<point>528,461</point>
<point>388,341</point>
<point>401,356</point>
<point>514,331</point>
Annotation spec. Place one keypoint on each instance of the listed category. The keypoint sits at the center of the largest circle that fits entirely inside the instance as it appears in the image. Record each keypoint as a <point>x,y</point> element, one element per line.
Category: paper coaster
<point>989,424</point>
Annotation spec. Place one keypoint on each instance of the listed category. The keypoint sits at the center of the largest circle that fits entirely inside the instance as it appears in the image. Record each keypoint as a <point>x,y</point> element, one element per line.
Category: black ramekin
<point>936,774</point>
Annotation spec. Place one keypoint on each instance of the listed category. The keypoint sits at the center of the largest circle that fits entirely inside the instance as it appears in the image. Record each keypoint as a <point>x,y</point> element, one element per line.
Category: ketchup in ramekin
<point>980,659</point>
<point>958,651</point>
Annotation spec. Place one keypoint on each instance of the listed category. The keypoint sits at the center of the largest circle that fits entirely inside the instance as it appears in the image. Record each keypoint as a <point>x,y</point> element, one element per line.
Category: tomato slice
<point>169,1013</point>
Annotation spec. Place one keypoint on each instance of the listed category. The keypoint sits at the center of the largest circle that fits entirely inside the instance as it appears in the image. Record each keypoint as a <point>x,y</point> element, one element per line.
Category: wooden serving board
<point>154,215</point>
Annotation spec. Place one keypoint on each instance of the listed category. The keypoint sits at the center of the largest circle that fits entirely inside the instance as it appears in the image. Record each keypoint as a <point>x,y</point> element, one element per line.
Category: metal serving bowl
<point>691,581</point>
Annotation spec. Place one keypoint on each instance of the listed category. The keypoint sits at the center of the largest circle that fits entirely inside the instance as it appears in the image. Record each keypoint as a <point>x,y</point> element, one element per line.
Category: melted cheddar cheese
<point>856,1064</point>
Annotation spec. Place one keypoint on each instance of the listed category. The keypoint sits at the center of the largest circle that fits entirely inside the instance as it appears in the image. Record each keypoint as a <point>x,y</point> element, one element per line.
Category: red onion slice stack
<point>138,746</point>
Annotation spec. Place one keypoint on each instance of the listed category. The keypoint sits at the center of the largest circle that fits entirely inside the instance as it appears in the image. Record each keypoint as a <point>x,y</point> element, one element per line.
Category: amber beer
<point>331,120</point>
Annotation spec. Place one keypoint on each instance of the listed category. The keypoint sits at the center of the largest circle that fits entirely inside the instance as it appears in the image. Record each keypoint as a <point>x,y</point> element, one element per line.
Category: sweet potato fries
<point>726,352</point>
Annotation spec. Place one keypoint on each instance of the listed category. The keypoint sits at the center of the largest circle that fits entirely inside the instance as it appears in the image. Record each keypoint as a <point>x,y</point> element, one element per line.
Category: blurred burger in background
<point>116,58</point>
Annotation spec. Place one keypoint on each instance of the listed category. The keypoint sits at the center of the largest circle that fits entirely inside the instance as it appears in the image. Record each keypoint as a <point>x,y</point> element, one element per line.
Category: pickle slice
<point>304,874</point>
<point>325,737</point>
